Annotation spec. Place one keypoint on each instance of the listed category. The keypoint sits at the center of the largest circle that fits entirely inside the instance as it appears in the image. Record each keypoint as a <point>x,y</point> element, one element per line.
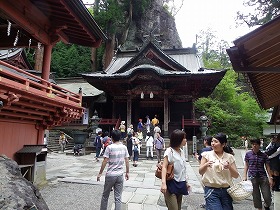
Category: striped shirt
<point>116,154</point>
<point>256,163</point>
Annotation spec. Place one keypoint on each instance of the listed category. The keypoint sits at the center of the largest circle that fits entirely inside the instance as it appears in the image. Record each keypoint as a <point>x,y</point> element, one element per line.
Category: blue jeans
<point>98,149</point>
<point>217,199</point>
<point>135,155</point>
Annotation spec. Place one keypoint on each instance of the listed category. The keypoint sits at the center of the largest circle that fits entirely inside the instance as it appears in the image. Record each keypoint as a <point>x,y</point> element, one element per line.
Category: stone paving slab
<point>141,191</point>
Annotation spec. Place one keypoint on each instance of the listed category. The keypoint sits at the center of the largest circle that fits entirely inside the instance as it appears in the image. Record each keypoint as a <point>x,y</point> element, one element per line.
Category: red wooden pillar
<point>40,137</point>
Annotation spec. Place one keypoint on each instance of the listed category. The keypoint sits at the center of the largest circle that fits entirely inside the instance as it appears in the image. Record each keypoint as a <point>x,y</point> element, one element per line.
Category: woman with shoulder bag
<point>175,188</point>
<point>159,145</point>
<point>217,168</point>
<point>135,149</point>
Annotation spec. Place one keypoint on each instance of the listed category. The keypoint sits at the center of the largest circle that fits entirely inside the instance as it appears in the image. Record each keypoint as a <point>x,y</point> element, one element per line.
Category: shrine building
<point>154,81</point>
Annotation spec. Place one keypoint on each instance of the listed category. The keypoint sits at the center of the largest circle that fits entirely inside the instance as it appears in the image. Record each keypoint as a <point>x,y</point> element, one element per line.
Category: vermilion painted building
<point>30,104</point>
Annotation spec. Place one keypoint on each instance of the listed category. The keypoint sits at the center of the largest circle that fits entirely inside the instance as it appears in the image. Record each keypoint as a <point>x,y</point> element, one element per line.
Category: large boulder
<point>16,192</point>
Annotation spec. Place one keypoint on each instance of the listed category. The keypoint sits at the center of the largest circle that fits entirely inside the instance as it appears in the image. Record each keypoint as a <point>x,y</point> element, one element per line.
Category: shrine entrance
<point>140,109</point>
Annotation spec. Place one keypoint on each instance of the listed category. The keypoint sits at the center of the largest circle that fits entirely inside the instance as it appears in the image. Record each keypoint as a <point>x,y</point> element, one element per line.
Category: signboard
<point>85,116</point>
<point>194,144</point>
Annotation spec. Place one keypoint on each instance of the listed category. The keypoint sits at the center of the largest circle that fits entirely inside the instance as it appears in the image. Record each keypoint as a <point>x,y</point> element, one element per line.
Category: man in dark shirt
<point>255,164</point>
<point>207,143</point>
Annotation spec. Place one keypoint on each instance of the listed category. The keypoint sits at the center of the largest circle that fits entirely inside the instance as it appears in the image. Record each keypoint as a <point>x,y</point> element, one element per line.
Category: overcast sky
<point>219,15</point>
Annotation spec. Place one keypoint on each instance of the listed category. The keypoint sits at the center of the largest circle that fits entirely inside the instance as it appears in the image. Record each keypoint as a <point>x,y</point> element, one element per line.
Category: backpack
<point>95,140</point>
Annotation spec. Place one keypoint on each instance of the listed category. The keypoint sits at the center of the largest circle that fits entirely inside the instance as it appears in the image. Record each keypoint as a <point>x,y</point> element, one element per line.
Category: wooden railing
<point>115,122</point>
<point>21,80</point>
<point>189,122</point>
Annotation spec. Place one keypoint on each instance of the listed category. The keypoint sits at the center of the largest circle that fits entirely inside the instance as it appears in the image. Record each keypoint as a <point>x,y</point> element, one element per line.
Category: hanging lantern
<point>151,95</point>
<point>142,95</point>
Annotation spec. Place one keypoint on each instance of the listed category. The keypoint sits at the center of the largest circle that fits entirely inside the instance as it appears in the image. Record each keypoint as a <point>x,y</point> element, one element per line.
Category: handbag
<point>169,170</point>
<point>241,190</point>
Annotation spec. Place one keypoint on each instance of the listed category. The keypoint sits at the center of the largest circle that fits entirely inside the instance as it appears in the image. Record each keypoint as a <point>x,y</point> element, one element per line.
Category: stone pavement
<point>141,191</point>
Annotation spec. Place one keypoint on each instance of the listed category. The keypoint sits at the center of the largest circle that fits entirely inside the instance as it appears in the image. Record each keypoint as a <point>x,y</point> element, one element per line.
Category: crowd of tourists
<point>148,133</point>
<point>217,166</point>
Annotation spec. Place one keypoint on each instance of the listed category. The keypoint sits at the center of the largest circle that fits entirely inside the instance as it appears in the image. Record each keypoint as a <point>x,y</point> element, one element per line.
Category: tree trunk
<point>39,54</point>
<point>109,51</point>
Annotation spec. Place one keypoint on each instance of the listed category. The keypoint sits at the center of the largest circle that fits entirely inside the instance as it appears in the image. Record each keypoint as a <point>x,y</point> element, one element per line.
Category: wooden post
<point>114,109</point>
<point>166,114</point>
<point>128,107</point>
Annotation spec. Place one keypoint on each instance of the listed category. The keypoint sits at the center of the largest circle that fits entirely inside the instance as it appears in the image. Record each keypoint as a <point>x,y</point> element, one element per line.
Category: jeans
<point>217,199</point>
<point>158,151</point>
<point>117,183</point>
<point>98,149</point>
<point>135,155</point>
<point>261,185</point>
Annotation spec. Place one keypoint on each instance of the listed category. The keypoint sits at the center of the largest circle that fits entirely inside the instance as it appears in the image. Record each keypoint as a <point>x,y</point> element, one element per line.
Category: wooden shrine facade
<point>30,104</point>
<point>153,81</point>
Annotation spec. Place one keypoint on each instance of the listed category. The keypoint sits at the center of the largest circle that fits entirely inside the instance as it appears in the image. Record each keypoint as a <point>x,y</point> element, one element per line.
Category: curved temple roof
<point>177,69</point>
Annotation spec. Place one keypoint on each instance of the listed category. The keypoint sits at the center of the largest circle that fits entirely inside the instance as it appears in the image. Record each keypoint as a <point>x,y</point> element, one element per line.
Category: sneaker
<point>202,205</point>
<point>266,208</point>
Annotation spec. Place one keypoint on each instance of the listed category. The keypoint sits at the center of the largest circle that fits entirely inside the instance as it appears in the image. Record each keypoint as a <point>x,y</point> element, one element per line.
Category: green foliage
<point>230,107</point>
<point>213,52</point>
<point>110,15</point>
<point>264,11</point>
<point>232,112</point>
<point>30,56</point>
<point>139,7</point>
<point>70,60</point>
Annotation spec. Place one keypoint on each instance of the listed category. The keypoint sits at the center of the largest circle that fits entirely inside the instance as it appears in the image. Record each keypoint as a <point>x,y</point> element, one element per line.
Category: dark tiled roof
<point>31,149</point>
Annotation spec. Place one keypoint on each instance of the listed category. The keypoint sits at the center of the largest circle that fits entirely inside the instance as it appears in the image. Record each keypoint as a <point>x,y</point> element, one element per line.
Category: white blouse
<point>179,163</point>
<point>216,176</point>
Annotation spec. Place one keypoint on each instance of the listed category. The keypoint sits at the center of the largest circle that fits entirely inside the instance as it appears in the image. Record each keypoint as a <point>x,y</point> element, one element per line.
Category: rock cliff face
<point>15,191</point>
<point>156,23</point>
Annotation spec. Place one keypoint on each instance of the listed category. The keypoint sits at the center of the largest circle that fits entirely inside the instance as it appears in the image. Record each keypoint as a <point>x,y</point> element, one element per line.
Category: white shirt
<point>179,163</point>
<point>149,141</point>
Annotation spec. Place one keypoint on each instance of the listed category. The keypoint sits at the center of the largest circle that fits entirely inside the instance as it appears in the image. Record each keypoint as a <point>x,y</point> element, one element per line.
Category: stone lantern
<point>93,127</point>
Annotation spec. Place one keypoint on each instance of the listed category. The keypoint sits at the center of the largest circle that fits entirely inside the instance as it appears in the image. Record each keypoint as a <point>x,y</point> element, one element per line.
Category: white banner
<point>85,116</point>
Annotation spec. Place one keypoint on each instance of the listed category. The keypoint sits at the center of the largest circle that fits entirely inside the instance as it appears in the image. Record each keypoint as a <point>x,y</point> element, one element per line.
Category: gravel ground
<point>70,196</point>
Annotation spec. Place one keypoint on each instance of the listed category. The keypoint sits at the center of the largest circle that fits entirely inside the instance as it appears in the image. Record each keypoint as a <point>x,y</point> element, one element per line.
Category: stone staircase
<point>53,144</point>
<point>142,154</point>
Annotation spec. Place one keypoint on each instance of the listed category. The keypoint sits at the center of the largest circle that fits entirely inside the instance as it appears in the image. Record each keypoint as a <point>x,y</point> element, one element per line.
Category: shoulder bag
<point>169,170</point>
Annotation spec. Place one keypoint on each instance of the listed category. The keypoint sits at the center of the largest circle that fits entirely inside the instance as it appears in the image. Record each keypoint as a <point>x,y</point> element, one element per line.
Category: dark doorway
<point>151,108</point>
